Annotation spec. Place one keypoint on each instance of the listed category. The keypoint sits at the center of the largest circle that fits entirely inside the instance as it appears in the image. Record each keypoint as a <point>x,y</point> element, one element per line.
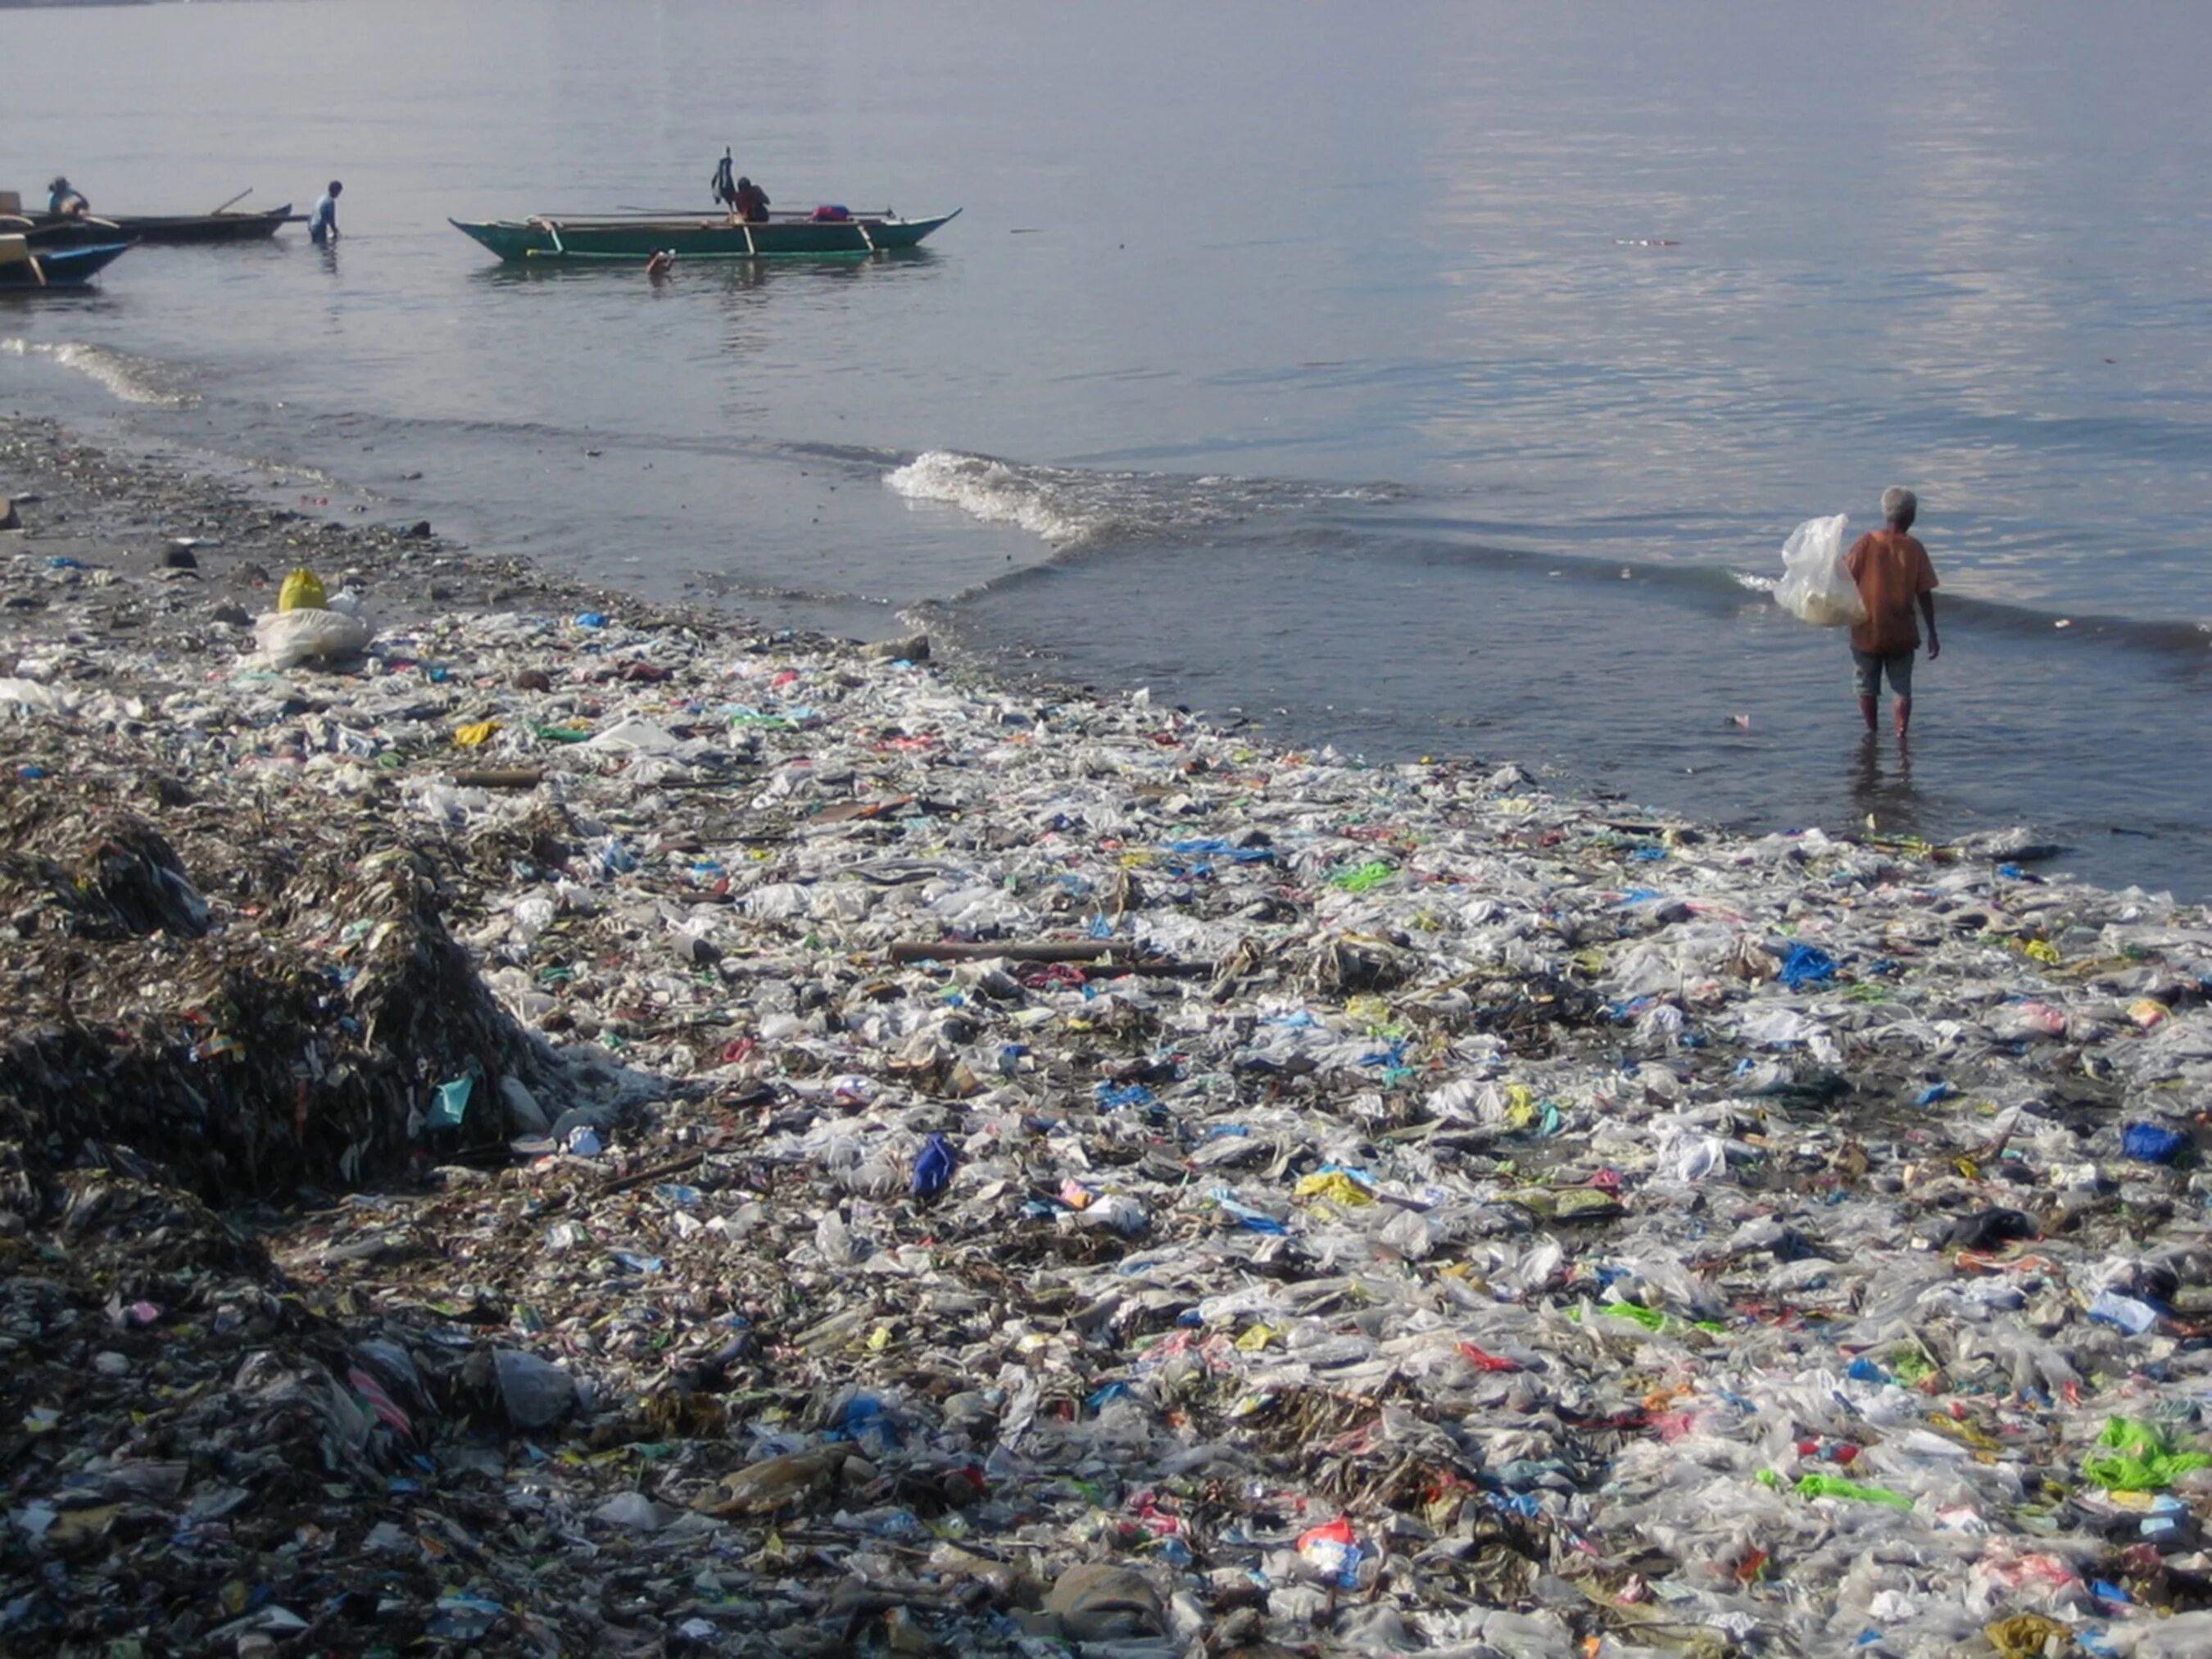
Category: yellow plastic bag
<point>1335,1187</point>
<point>302,590</point>
<point>475,735</point>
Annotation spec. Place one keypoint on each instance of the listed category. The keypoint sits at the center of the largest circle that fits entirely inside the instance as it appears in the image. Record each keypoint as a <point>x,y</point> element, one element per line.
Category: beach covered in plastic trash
<point>589,1128</point>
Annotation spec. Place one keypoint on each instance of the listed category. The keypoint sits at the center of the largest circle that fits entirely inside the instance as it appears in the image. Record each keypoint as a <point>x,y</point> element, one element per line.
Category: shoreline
<point>1328,1141</point>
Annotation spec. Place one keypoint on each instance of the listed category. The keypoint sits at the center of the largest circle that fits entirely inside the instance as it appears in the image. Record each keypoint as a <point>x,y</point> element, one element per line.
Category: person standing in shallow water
<point>323,224</point>
<point>1894,578</point>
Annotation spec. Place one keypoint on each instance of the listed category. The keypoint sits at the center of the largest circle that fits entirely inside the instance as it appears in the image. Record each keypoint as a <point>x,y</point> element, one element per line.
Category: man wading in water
<point>1894,574</point>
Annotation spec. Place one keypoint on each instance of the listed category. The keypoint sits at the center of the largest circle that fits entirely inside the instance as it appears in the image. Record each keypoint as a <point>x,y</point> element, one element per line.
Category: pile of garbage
<point>601,1130</point>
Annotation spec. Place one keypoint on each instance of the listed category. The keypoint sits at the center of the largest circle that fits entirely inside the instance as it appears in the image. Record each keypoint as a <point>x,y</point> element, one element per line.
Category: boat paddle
<point>234,200</point>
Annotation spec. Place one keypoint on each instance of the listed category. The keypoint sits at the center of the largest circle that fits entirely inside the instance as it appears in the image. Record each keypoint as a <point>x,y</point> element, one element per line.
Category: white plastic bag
<point>289,638</point>
<point>1815,588</point>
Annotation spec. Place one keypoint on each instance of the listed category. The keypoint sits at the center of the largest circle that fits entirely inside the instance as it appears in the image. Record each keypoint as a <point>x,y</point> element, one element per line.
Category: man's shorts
<point>1868,668</point>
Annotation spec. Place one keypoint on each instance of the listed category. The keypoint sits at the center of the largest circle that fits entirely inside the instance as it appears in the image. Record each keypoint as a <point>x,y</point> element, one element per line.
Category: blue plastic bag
<point>1807,964</point>
<point>2146,1143</point>
<point>934,1166</point>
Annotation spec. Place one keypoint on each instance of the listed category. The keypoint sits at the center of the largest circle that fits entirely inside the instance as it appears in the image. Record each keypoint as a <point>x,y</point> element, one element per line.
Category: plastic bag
<point>1815,588</point>
<point>302,590</point>
<point>289,638</point>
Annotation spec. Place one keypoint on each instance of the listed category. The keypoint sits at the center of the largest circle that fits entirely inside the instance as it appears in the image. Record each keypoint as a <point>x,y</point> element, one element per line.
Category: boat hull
<point>706,237</point>
<point>53,230</point>
<point>60,267</point>
<point>209,227</point>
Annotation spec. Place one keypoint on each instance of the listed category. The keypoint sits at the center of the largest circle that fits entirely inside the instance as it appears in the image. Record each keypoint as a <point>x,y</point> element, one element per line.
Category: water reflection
<point>750,274</point>
<point>1882,786</point>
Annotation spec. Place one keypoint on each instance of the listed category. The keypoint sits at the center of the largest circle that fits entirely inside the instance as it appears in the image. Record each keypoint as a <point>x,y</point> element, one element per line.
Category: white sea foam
<point>131,380</point>
<point>1068,506</point>
<point>1046,501</point>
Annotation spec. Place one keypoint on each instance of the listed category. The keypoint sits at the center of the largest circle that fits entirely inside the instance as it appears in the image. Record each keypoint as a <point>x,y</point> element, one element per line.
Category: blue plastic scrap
<point>1107,1395</point>
<point>863,1418</point>
<point>2127,1313</point>
<point>1258,1220</point>
<point>1222,849</point>
<point>2146,1143</point>
<point>451,1104</point>
<point>1807,964</point>
<point>462,1618</point>
<point>934,1166</point>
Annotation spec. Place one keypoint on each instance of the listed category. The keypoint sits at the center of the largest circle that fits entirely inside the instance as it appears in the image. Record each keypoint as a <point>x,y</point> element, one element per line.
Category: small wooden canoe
<point>25,266</point>
<point>638,237</point>
<point>53,230</point>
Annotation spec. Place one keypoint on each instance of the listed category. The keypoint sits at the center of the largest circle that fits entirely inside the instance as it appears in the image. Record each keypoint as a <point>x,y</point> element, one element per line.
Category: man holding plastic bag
<point>1894,576</point>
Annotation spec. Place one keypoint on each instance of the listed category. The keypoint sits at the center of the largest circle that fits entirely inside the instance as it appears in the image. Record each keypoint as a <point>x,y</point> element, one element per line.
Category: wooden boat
<point>23,266</point>
<point>53,230</point>
<point>638,236</point>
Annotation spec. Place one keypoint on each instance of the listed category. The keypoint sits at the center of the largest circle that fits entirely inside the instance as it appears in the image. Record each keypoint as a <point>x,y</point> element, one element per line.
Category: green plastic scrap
<point>1834,1485</point>
<point>1359,880</point>
<point>451,1104</point>
<point>1910,1365</point>
<point>1651,1319</point>
<point>2141,1458</point>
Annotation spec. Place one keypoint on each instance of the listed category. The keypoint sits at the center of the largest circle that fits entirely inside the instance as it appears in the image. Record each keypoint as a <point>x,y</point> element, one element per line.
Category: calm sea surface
<point>1411,377</point>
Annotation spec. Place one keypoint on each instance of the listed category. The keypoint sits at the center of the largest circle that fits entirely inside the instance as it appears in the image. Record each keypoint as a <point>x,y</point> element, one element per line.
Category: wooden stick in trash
<point>1117,954</point>
<point>1049,949</point>
<point>499,777</point>
<point>658,1172</point>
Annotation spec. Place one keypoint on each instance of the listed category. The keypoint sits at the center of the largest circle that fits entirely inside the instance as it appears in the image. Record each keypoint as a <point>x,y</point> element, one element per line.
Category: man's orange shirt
<point>1893,572</point>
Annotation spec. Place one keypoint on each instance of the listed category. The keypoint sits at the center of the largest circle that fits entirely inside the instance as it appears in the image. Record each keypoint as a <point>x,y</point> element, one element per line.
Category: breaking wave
<point>1069,506</point>
<point>133,380</point>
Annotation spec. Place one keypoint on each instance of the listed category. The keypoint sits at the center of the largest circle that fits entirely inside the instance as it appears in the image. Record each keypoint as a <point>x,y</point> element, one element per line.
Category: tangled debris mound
<point>985,1172</point>
<point>284,1049</point>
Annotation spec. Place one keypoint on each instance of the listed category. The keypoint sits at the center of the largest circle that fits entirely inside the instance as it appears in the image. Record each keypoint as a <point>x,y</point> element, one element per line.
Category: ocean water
<point>1413,379</point>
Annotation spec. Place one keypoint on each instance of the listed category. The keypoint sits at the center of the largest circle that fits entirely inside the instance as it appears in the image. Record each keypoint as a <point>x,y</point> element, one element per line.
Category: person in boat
<point>726,184</point>
<point>1894,575</point>
<point>67,203</point>
<point>751,203</point>
<point>323,223</point>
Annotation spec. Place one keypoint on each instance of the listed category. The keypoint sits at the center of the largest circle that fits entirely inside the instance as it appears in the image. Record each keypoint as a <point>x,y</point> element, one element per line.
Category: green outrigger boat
<point>638,237</point>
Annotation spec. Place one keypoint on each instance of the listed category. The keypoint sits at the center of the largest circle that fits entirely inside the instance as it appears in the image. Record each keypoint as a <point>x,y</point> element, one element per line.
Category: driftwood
<point>499,777</point>
<point>1101,955</point>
